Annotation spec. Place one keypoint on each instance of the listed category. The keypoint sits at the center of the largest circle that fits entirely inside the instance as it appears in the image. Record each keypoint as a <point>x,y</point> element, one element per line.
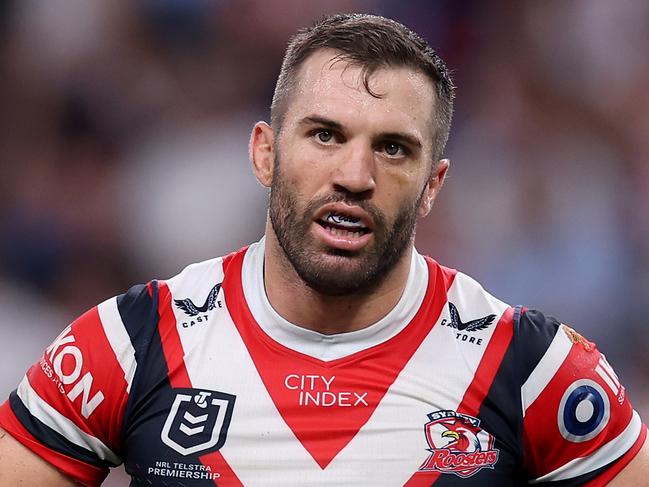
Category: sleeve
<point>69,406</point>
<point>579,427</point>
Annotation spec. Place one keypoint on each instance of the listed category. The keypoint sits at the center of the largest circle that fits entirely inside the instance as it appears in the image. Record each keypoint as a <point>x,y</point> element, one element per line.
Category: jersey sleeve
<point>70,405</point>
<point>579,427</point>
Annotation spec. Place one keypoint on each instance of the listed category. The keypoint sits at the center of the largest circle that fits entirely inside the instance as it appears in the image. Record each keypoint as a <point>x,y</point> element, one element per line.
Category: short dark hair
<point>371,42</point>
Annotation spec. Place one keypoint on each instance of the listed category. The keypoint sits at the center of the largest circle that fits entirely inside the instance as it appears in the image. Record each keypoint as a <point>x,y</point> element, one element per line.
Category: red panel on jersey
<point>171,344</point>
<point>79,377</point>
<point>179,378</point>
<point>326,403</point>
<point>489,365</point>
<point>81,364</point>
<point>546,449</point>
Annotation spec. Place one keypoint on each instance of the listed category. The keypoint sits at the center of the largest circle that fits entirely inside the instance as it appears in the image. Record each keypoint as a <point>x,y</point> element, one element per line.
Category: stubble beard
<point>335,272</point>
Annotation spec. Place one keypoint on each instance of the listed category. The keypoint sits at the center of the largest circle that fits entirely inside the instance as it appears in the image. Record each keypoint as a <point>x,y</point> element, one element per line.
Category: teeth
<point>343,220</point>
<point>339,232</point>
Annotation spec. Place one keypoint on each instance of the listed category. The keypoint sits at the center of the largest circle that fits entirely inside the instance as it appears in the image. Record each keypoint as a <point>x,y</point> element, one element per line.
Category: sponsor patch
<point>584,411</point>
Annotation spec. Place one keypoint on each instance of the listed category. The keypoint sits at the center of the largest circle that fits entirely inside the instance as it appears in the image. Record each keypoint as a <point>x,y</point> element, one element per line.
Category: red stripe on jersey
<point>489,365</point>
<point>545,447</point>
<point>179,378</point>
<point>217,463</point>
<point>617,467</point>
<point>171,344</point>
<point>76,469</point>
<point>325,403</point>
<point>480,385</point>
<point>80,377</point>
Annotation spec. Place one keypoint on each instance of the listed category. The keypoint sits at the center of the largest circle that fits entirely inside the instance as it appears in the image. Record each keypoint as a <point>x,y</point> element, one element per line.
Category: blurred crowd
<point>123,153</point>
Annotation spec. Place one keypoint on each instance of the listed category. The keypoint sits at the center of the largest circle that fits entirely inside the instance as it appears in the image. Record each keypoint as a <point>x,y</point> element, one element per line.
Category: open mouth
<point>342,225</point>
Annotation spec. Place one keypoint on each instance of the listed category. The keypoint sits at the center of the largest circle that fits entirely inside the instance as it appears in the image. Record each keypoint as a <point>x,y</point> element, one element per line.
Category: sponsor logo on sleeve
<point>584,411</point>
<point>458,445</point>
<point>63,364</point>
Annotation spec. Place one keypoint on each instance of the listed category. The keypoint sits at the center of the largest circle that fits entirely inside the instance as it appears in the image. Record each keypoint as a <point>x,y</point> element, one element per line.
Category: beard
<point>330,271</point>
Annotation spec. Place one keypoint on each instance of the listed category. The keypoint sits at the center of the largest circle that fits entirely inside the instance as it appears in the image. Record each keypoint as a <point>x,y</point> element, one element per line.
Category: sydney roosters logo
<point>458,445</point>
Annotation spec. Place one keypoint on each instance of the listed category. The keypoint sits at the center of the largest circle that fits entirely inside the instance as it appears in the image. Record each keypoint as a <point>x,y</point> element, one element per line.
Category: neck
<point>296,302</point>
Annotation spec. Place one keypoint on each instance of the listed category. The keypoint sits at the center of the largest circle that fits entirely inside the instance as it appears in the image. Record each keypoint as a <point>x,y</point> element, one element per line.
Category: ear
<point>261,151</point>
<point>433,186</point>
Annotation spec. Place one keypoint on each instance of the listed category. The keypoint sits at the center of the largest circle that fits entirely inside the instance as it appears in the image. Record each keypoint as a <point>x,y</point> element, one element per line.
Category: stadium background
<point>123,154</point>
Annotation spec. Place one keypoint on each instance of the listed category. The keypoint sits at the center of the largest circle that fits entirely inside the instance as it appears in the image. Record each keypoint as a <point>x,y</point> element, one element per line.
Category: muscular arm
<point>636,472</point>
<point>19,466</point>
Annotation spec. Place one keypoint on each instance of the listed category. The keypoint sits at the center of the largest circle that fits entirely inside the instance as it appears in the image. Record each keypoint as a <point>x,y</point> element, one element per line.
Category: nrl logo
<point>198,421</point>
<point>458,445</point>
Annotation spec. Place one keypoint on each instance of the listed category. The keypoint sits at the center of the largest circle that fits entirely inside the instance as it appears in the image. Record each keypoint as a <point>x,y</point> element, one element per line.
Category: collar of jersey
<point>318,345</point>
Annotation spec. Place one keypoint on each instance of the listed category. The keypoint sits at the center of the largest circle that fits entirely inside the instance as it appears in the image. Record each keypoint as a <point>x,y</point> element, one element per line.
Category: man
<point>330,352</point>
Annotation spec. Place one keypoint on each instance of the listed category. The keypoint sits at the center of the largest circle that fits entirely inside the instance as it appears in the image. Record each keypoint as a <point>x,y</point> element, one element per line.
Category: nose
<point>356,169</point>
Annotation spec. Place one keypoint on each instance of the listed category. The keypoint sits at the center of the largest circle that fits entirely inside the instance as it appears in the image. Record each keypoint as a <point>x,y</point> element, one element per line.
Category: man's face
<point>351,172</point>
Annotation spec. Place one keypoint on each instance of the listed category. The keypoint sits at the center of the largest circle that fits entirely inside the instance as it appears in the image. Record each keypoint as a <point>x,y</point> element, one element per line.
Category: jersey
<point>197,380</point>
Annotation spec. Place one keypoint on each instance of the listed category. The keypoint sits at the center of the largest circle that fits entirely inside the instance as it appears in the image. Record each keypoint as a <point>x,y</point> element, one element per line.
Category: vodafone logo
<point>66,362</point>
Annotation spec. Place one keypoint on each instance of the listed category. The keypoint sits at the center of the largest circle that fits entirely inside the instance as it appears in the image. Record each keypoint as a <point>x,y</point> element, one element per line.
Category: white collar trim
<point>318,345</point>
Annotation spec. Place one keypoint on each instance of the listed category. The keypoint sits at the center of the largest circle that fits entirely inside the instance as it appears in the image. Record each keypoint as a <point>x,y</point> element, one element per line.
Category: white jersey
<point>196,380</point>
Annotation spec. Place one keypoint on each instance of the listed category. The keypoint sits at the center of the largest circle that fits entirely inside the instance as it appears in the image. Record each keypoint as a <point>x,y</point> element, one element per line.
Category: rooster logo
<point>457,444</point>
<point>461,438</point>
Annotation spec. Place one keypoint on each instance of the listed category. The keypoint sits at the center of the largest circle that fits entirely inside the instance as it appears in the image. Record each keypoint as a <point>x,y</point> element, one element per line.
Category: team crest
<point>457,444</point>
<point>198,421</point>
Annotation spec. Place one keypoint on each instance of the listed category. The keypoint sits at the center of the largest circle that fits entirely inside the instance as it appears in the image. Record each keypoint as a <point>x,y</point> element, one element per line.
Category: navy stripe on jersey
<point>534,332</point>
<point>500,415</point>
<point>139,312</point>
<point>151,393</point>
<point>51,438</point>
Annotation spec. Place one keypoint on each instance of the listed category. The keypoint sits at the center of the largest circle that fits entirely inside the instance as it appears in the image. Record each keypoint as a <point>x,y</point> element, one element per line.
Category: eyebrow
<point>328,123</point>
<point>322,121</point>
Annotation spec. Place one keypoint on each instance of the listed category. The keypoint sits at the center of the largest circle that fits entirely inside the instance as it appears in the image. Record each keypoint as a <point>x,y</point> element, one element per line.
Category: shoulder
<point>196,288</point>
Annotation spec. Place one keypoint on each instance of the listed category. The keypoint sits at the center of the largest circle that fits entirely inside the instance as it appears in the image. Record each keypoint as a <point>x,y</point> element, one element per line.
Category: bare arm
<point>19,466</point>
<point>636,472</point>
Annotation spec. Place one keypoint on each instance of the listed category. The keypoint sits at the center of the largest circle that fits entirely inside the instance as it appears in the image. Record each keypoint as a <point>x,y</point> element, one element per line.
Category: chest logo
<point>198,421</point>
<point>457,445</point>
<point>465,330</point>
<point>473,325</point>
<point>199,314</point>
<point>188,306</point>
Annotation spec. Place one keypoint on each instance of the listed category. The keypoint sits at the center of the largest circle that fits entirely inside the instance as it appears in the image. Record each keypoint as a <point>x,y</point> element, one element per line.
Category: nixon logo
<point>70,374</point>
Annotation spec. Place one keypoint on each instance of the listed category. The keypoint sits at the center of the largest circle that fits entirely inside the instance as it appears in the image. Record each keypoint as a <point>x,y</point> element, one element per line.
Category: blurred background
<point>123,154</point>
